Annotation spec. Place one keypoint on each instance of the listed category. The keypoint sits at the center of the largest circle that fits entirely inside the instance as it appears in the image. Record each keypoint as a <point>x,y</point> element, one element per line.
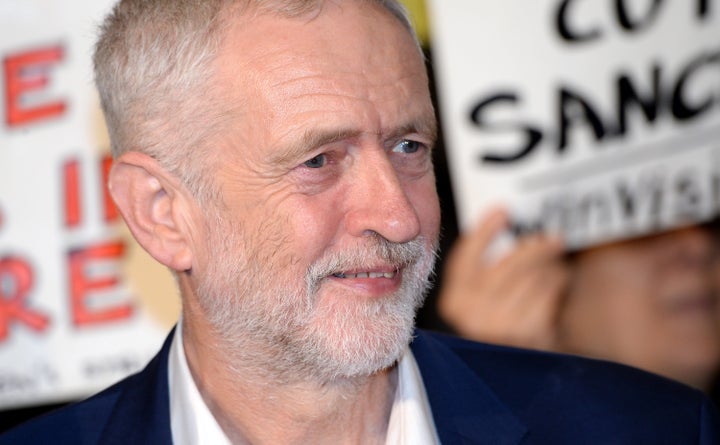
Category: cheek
<point>314,225</point>
<point>268,236</point>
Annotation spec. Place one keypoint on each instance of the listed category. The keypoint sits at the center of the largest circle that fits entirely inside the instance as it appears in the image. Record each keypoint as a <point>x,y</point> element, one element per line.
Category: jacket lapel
<point>142,412</point>
<point>465,409</point>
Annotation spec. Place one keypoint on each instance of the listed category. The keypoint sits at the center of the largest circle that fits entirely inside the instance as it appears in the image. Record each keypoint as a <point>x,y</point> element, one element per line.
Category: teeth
<point>365,275</point>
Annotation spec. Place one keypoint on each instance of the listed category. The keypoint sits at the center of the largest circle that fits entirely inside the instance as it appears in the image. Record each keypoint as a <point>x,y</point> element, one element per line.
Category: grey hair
<point>152,64</point>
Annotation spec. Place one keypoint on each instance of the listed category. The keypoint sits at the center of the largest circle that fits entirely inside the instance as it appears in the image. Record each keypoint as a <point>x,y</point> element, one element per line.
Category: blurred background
<point>595,121</point>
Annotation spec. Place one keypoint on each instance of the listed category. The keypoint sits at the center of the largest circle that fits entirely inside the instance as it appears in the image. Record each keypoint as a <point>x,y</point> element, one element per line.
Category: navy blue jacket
<point>479,394</point>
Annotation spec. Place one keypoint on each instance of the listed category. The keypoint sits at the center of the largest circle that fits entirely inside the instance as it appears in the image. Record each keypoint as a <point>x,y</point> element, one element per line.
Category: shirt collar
<point>190,418</point>
<point>410,422</point>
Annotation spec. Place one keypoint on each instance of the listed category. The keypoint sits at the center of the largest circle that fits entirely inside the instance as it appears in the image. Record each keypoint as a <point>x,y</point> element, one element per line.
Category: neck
<point>254,406</point>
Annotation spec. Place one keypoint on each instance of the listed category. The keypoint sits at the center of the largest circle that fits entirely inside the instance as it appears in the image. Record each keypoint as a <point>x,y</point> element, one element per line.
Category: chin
<point>357,341</point>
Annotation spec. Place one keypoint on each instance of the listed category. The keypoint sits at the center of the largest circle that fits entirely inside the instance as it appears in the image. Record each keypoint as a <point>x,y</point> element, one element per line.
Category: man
<point>275,155</point>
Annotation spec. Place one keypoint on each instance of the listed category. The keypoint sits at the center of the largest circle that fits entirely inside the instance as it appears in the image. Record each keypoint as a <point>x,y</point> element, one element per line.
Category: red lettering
<point>73,201</point>
<point>73,198</point>
<point>28,72</point>
<point>83,285</point>
<point>16,280</point>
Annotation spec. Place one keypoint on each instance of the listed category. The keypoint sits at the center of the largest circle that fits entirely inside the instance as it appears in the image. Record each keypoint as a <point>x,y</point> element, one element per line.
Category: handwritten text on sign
<point>598,119</point>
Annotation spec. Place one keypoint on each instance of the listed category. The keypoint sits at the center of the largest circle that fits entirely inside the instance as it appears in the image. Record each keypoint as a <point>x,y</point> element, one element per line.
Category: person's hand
<point>514,300</point>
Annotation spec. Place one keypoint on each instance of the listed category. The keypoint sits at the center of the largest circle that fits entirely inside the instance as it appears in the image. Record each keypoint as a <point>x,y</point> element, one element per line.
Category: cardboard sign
<point>596,119</point>
<point>70,323</point>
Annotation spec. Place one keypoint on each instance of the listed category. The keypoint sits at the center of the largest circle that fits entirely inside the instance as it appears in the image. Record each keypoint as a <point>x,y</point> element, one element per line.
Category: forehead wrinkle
<point>300,83</point>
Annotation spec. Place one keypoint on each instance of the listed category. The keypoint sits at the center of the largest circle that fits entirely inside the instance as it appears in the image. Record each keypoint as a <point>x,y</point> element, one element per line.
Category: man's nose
<point>378,201</point>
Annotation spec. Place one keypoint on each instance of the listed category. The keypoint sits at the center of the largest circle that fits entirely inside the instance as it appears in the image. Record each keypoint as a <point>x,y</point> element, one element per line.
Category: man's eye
<point>316,162</point>
<point>407,146</point>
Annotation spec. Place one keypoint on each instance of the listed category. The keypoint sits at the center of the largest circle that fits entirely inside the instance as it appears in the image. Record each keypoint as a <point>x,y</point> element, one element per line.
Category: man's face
<point>651,303</point>
<point>321,248</point>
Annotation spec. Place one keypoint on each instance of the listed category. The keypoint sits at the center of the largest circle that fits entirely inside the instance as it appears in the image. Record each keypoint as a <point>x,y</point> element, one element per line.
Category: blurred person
<point>650,302</point>
<point>276,156</point>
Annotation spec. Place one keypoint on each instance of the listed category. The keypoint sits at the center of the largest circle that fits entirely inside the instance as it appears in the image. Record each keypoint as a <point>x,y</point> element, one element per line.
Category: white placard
<point>598,119</point>
<point>69,322</point>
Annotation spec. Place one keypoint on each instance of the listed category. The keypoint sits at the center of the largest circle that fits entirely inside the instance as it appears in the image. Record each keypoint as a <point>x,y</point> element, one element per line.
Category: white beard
<point>280,327</point>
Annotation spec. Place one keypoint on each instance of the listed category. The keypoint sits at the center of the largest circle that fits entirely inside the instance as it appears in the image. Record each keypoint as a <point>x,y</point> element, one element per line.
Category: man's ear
<point>155,207</point>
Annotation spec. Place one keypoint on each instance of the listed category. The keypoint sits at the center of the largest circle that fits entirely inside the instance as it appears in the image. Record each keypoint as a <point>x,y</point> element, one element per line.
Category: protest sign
<point>70,321</point>
<point>596,119</point>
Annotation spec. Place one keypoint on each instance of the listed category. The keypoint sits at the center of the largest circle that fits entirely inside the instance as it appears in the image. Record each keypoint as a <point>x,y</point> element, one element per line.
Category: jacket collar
<point>142,412</point>
<point>465,409</point>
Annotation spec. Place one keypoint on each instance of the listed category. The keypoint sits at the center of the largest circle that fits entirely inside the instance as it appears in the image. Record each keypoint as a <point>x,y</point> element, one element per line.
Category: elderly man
<point>276,156</point>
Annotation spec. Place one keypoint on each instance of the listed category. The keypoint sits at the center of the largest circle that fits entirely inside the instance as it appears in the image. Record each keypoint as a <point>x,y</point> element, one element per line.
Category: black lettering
<point>681,109</point>
<point>628,95</point>
<point>554,213</point>
<point>591,209</point>
<point>703,8</point>
<point>715,191</point>
<point>630,25</point>
<point>564,29</point>
<point>521,228</point>
<point>648,193</point>
<point>689,197</point>
<point>575,110</point>
<point>657,201</point>
<point>532,139</point>
<point>628,201</point>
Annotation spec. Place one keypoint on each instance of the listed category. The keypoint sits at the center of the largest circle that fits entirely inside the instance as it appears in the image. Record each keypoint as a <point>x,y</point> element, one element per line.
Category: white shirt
<point>191,422</point>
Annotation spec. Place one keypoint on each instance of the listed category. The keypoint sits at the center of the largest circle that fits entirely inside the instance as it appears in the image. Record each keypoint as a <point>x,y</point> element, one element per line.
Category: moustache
<point>377,252</point>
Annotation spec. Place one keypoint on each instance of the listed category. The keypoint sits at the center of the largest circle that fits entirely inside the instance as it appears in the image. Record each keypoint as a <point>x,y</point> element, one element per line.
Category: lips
<point>368,281</point>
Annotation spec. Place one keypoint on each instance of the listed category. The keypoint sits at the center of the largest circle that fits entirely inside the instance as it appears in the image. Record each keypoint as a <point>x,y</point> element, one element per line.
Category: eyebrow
<point>425,127</point>
<point>310,140</point>
<point>314,138</point>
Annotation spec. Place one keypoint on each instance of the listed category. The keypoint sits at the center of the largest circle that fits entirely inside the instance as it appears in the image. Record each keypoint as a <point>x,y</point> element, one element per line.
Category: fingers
<point>470,247</point>
<point>532,309</point>
<point>529,254</point>
<point>516,300</point>
<point>489,228</point>
<point>521,312</point>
